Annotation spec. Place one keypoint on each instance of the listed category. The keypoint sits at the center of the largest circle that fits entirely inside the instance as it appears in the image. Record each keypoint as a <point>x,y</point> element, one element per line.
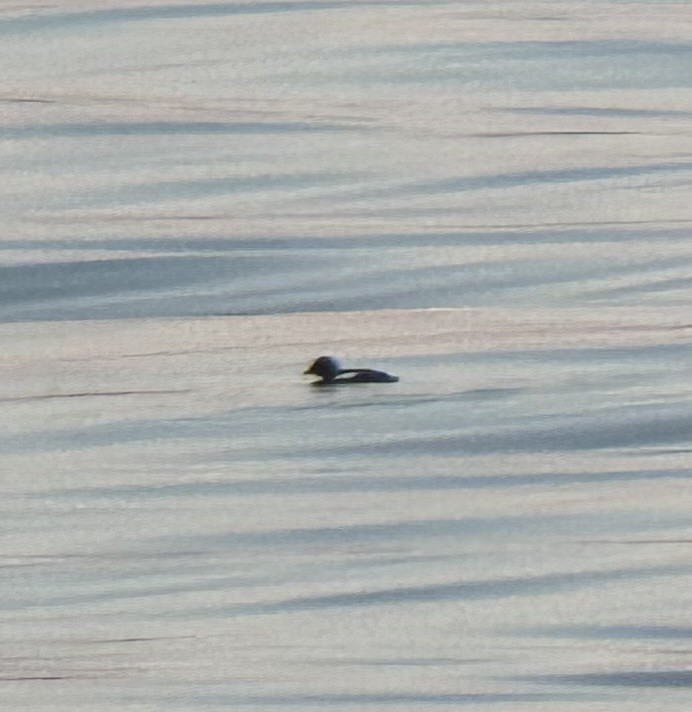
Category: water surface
<point>489,200</point>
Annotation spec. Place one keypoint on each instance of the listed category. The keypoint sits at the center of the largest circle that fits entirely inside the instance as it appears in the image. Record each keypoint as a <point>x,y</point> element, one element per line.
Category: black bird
<point>328,368</point>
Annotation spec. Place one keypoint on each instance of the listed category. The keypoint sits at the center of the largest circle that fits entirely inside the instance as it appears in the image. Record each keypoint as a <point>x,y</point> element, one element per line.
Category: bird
<point>328,368</point>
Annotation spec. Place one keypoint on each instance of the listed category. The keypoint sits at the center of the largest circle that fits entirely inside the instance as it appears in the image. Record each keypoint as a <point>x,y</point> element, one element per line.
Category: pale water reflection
<point>490,200</point>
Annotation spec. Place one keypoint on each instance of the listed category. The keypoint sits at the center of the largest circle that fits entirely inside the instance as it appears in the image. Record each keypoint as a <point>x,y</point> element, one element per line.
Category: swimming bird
<point>328,368</point>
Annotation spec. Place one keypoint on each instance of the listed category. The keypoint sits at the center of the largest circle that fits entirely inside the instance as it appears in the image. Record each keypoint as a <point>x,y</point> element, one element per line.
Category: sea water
<point>490,200</point>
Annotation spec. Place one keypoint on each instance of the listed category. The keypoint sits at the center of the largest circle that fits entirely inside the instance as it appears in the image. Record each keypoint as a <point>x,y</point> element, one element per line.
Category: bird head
<point>327,367</point>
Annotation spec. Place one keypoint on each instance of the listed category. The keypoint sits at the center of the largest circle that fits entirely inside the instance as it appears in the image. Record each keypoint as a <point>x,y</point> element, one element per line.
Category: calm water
<point>489,199</point>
